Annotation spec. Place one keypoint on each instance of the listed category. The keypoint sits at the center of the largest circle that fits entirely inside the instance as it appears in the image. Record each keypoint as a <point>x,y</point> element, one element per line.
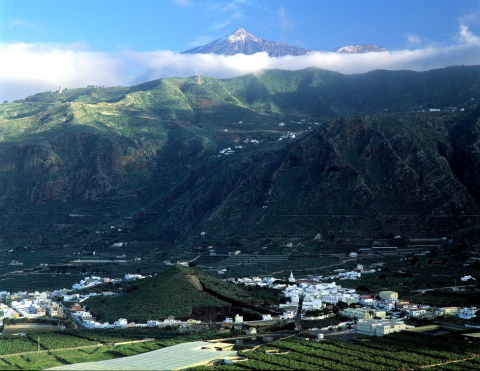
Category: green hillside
<point>177,292</point>
<point>147,159</point>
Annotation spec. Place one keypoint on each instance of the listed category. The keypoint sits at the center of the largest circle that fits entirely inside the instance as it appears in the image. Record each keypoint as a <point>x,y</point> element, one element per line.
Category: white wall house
<point>379,327</point>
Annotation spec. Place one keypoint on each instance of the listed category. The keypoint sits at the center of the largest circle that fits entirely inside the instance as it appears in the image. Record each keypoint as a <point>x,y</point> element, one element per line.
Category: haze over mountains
<point>171,158</point>
<point>240,41</point>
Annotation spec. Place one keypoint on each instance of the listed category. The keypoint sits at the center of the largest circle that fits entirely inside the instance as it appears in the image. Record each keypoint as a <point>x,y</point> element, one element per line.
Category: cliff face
<point>82,165</point>
<point>154,160</point>
<point>358,176</point>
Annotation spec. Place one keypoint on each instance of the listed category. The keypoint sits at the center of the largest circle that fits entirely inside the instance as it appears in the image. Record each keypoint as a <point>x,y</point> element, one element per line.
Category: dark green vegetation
<point>181,293</point>
<point>145,160</point>
<point>393,352</point>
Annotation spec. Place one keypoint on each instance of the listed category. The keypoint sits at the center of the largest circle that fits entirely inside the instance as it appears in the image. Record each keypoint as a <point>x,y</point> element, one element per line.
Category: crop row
<point>379,353</point>
<point>15,344</point>
<point>59,340</point>
<point>387,353</point>
<point>352,359</point>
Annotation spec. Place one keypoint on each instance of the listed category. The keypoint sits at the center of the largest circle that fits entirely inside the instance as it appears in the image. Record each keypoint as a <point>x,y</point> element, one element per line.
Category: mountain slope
<point>359,175</point>
<point>240,41</point>
<point>360,48</point>
<point>147,158</point>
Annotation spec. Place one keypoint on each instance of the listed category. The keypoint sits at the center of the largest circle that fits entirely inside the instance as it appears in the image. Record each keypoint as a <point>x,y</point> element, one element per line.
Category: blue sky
<point>144,25</point>
<point>46,43</point>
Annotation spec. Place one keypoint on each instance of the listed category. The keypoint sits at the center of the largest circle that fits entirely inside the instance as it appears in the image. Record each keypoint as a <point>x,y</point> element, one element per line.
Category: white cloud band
<point>27,69</point>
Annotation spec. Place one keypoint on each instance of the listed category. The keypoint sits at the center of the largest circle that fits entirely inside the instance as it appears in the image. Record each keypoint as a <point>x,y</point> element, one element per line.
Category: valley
<point>204,186</point>
<point>97,166</point>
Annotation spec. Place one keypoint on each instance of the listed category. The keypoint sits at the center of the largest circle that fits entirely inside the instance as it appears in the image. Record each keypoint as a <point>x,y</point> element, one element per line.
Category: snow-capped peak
<point>241,35</point>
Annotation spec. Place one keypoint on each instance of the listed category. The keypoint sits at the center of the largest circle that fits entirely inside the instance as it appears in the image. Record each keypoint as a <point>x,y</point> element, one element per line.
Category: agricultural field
<point>393,352</point>
<point>38,361</point>
<point>11,344</point>
<point>16,344</point>
<point>21,352</point>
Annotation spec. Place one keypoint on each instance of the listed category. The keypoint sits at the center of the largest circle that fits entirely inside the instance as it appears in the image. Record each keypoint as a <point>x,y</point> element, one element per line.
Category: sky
<point>74,43</point>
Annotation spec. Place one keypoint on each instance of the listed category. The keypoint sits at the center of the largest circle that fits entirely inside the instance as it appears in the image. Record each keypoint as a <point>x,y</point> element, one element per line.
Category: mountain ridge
<point>241,41</point>
<point>160,160</point>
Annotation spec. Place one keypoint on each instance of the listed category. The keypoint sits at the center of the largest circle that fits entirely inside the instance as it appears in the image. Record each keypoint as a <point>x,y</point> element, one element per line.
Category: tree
<point>363,288</point>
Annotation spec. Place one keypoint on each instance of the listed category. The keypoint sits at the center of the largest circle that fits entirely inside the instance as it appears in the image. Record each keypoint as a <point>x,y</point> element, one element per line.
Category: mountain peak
<point>240,31</point>
<point>242,42</point>
<point>241,35</point>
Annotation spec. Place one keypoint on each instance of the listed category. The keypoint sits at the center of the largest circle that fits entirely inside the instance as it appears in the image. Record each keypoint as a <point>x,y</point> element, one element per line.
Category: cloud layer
<point>27,69</point>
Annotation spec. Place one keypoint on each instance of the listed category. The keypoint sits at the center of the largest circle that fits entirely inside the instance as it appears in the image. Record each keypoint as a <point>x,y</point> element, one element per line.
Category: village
<point>309,298</point>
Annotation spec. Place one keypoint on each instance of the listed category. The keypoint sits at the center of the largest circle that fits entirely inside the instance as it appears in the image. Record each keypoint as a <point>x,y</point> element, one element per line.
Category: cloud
<point>21,23</point>
<point>226,13</point>
<point>184,3</point>
<point>27,69</point>
<point>412,39</point>
<point>284,22</point>
<point>31,68</point>
<point>219,25</point>
<point>468,37</point>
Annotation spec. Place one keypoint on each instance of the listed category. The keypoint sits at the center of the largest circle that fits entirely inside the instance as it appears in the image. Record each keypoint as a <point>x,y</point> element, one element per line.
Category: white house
<point>467,313</point>
<point>379,327</point>
<point>289,314</point>
<point>121,322</point>
<point>416,312</point>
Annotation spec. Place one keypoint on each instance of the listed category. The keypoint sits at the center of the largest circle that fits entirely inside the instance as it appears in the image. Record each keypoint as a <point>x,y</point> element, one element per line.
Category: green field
<point>20,352</point>
<point>393,352</point>
<point>41,361</point>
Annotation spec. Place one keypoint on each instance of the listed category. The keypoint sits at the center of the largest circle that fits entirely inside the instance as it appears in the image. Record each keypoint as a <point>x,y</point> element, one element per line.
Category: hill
<point>166,160</point>
<point>177,292</point>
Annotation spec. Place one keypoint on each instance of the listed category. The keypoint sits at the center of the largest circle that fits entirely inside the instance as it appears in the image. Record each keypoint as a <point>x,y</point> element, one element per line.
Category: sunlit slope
<point>148,157</point>
<point>311,93</point>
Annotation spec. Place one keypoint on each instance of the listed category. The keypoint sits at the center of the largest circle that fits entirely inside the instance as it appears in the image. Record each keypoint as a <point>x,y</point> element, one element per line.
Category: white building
<point>379,327</point>
<point>121,322</point>
<point>467,313</point>
<point>289,314</point>
<point>291,278</point>
<point>363,313</point>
